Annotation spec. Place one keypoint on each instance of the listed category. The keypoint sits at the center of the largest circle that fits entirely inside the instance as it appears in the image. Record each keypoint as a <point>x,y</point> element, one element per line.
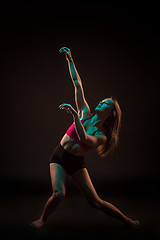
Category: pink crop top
<point>71,132</point>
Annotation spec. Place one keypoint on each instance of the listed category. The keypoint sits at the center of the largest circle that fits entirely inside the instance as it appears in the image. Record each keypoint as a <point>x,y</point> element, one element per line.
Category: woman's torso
<point>71,146</point>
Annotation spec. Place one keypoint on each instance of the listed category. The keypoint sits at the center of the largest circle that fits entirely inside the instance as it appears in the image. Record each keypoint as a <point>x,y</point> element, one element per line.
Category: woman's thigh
<point>58,178</point>
<point>82,179</point>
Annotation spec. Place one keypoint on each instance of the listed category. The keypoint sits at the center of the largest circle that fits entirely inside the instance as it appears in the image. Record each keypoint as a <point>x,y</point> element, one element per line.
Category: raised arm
<point>81,103</point>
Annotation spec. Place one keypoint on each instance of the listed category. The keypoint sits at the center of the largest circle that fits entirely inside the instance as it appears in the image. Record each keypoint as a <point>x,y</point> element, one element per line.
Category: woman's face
<point>104,106</point>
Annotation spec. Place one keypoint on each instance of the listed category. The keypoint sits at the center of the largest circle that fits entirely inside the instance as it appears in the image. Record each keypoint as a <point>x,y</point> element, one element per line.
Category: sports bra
<point>71,132</point>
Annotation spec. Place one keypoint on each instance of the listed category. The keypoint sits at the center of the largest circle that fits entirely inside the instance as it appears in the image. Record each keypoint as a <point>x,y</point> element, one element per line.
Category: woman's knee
<point>95,202</point>
<point>58,195</point>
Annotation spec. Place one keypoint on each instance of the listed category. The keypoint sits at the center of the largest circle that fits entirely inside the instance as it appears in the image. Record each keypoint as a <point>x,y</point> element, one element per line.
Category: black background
<point>116,51</point>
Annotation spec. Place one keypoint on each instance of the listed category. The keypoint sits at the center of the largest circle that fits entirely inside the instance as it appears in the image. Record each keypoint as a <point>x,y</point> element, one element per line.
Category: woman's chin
<point>97,110</point>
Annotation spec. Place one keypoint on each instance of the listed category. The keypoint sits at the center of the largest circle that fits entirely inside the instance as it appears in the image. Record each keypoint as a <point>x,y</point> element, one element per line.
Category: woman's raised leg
<point>58,176</point>
<point>82,179</point>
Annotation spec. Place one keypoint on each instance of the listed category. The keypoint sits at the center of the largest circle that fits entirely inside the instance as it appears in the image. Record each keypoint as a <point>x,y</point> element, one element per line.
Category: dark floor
<point>75,218</point>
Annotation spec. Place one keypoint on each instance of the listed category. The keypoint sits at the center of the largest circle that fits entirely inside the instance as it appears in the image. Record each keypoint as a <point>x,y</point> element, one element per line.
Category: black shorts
<point>70,162</point>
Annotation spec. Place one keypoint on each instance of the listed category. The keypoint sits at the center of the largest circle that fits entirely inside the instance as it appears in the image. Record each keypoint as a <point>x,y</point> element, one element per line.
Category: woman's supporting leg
<point>58,176</point>
<point>82,179</point>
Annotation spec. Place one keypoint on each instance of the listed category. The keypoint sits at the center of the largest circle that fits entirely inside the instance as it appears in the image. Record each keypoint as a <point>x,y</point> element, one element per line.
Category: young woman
<point>89,131</point>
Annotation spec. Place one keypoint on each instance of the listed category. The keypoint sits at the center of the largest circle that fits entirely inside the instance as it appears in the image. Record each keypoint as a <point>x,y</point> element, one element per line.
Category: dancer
<point>98,131</point>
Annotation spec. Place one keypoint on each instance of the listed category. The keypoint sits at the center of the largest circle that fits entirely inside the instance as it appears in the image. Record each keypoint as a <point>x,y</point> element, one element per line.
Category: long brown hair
<point>111,128</point>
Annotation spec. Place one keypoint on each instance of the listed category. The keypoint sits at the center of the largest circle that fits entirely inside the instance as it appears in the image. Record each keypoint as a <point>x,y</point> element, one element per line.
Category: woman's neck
<point>96,121</point>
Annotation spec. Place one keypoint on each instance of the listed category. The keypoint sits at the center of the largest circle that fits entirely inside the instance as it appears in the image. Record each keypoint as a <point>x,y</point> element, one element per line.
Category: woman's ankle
<point>43,219</point>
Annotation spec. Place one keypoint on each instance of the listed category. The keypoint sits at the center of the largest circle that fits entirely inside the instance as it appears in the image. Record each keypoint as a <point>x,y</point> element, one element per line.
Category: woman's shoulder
<point>99,133</point>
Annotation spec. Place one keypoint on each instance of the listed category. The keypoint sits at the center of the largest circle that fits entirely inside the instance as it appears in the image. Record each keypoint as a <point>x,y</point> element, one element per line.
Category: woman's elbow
<point>76,82</point>
<point>86,140</point>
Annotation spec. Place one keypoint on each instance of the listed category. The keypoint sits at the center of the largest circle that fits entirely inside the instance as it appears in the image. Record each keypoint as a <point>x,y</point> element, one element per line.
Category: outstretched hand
<point>68,108</point>
<point>67,52</point>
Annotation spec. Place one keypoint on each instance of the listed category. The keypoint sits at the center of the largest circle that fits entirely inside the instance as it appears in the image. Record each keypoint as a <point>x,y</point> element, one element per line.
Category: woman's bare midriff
<point>71,146</point>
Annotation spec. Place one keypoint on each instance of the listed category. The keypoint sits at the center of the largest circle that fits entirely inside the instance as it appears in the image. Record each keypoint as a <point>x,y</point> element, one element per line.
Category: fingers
<point>61,107</point>
<point>68,110</point>
<point>64,49</point>
<point>64,106</point>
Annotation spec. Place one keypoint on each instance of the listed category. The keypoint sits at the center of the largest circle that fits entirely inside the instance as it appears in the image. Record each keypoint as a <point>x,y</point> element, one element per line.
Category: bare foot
<point>38,223</point>
<point>134,224</point>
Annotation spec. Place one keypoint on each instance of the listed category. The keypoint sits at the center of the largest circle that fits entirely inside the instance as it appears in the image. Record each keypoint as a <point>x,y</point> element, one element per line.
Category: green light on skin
<point>109,102</point>
<point>111,108</point>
